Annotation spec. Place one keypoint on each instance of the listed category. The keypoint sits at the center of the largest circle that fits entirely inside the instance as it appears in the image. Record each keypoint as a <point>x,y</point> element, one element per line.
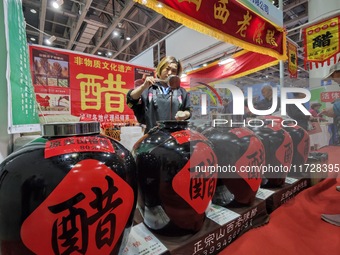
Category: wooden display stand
<point>278,196</point>
<point>222,226</point>
<point>214,237</point>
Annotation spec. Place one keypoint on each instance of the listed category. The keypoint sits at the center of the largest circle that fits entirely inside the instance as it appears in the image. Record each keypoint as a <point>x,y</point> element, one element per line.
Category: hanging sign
<point>329,96</point>
<point>292,59</point>
<point>321,42</point>
<point>226,20</point>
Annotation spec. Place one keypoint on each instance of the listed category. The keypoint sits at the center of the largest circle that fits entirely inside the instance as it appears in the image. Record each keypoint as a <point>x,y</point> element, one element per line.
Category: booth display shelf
<point>222,226</point>
<point>279,196</point>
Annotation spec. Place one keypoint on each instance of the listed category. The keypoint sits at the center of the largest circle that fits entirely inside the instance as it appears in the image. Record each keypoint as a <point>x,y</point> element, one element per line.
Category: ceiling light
<point>32,39</point>
<point>50,40</point>
<point>128,38</point>
<point>57,3</point>
<point>33,11</point>
<point>115,33</point>
<point>99,53</point>
<point>109,54</point>
<point>226,61</point>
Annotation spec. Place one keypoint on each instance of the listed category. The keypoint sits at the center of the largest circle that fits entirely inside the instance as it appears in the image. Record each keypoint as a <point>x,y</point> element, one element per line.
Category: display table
<point>275,197</point>
<point>294,227</point>
<point>222,226</point>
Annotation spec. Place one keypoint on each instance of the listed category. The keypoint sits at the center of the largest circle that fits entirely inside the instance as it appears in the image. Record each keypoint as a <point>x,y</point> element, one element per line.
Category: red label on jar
<point>77,144</point>
<point>241,132</point>
<point>284,153</point>
<point>194,183</point>
<point>303,146</point>
<point>85,214</point>
<point>185,136</point>
<point>249,164</point>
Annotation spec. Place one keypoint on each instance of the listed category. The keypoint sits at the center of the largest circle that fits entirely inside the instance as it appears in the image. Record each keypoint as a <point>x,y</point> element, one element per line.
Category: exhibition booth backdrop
<point>95,88</point>
<point>82,85</point>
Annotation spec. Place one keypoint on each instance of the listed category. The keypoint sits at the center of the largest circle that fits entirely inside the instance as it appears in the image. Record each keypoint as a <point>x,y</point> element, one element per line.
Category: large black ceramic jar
<point>71,192</point>
<point>279,153</point>
<point>174,187</point>
<point>301,146</point>
<point>240,153</point>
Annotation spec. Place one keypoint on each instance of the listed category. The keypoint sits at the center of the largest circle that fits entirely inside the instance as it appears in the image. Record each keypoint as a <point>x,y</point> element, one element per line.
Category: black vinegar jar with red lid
<point>301,145</point>
<point>73,191</point>
<point>240,153</point>
<point>174,188</point>
<point>278,146</point>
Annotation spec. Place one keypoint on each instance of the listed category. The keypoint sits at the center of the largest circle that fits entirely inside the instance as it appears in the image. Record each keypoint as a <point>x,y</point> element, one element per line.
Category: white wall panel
<point>192,47</point>
<point>144,59</point>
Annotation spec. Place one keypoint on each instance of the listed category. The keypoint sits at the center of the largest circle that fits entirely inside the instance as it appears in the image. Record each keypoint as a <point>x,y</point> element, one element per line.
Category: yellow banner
<point>292,59</point>
<point>321,41</point>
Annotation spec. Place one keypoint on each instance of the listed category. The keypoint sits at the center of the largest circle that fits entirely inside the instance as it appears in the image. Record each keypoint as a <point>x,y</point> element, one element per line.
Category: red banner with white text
<point>226,20</point>
<point>83,85</point>
<point>330,96</point>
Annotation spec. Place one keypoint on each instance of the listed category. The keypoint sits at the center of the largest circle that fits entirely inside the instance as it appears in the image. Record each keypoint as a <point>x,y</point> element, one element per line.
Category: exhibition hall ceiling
<point>122,29</point>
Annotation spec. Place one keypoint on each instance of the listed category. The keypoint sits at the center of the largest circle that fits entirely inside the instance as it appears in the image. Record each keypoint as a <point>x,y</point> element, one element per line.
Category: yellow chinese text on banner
<point>228,21</point>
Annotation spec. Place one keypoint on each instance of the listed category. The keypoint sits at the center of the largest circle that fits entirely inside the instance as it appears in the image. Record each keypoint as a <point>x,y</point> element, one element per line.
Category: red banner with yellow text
<point>226,20</point>
<point>83,85</point>
<point>321,42</point>
<point>243,63</point>
<point>292,59</point>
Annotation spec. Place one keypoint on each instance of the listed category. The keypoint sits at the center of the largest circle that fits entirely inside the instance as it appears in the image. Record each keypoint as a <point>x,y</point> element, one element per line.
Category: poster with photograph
<point>82,85</point>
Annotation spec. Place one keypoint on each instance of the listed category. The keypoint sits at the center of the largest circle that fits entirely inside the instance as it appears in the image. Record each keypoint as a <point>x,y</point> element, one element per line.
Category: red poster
<point>82,85</point>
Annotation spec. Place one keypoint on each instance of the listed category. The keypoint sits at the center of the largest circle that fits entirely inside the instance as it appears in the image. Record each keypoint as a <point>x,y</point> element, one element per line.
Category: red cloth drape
<point>296,227</point>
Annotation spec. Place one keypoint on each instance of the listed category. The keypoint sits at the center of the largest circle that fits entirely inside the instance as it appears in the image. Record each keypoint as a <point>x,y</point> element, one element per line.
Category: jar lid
<point>70,128</point>
<point>173,124</point>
